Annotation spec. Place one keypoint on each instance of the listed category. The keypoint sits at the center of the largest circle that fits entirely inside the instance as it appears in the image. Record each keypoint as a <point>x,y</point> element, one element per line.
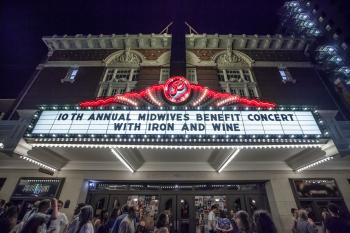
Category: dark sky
<point>23,23</point>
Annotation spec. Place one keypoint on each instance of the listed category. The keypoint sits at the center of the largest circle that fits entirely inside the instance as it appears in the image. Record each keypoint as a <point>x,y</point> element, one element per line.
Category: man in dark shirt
<point>334,223</point>
<point>9,219</point>
<point>120,218</point>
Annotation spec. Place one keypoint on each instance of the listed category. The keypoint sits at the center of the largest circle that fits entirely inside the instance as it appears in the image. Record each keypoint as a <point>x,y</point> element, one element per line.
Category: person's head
<point>162,220</point>
<point>104,215</point>
<point>11,214</point>
<point>333,209</point>
<point>78,208</point>
<point>114,213</point>
<point>59,205</point>
<point>223,214</point>
<point>34,224</point>
<point>263,222</point>
<point>125,209</point>
<point>214,207</point>
<point>232,213</point>
<point>132,212</point>
<point>44,205</point>
<point>294,212</point>
<point>242,220</point>
<point>302,214</point>
<point>2,203</point>
<point>86,214</point>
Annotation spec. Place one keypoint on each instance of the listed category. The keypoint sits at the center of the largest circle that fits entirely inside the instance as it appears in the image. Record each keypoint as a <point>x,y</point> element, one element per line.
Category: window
<point>71,75</point>
<point>238,82</point>
<point>191,75</point>
<point>233,75</point>
<point>251,93</point>
<point>221,76</point>
<point>122,75</point>
<point>118,81</point>
<point>246,75</point>
<point>164,74</point>
<point>285,75</point>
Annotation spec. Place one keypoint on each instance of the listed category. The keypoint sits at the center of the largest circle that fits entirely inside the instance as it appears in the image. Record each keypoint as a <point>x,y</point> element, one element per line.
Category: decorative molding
<point>81,42</point>
<point>232,58</point>
<point>241,42</point>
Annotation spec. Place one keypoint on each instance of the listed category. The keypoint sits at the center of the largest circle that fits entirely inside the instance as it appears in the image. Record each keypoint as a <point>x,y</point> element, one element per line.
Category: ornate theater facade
<point>248,125</point>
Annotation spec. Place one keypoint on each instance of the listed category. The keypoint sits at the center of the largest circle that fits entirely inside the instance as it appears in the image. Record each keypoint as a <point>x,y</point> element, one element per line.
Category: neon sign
<point>178,90</point>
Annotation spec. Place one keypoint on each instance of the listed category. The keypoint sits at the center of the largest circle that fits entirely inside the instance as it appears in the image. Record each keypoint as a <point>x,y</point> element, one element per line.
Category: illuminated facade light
<point>314,164</point>
<point>119,156</point>
<point>38,163</point>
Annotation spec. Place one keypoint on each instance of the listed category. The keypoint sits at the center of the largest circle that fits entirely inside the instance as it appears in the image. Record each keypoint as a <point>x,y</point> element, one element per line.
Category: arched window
<point>121,74</point>
<point>235,74</point>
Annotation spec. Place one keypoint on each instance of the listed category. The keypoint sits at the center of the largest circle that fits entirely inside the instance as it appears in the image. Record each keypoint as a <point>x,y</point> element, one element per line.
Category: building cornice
<point>242,42</point>
<point>163,41</point>
<point>81,42</point>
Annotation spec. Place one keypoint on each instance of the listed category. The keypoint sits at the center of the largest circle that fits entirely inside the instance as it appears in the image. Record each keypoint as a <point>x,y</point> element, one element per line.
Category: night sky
<point>23,23</point>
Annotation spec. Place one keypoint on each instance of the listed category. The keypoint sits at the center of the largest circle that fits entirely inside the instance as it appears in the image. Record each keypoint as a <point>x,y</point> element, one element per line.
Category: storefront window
<point>314,195</point>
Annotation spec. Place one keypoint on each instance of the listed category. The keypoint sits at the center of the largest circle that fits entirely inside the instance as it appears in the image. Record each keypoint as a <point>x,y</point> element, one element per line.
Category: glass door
<point>168,206</point>
<point>185,214</point>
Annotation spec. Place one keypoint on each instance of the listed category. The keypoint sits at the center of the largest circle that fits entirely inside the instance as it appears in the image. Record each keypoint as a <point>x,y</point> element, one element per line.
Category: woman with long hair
<point>85,220</point>
<point>242,220</point>
<point>161,225</point>
<point>35,224</point>
<point>263,222</point>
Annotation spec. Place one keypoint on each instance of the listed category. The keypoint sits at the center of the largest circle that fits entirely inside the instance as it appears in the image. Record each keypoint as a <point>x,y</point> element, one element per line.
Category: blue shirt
<point>117,222</point>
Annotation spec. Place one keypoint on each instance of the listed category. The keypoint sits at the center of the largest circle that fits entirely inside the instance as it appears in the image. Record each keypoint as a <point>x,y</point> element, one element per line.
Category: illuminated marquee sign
<point>176,112</point>
<point>169,123</point>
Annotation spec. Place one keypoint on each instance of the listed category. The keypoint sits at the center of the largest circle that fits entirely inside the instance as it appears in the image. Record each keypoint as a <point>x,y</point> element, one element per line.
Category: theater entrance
<point>186,204</point>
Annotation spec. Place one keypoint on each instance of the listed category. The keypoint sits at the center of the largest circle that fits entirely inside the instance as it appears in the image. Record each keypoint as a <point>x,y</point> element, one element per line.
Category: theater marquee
<point>172,122</point>
<point>176,114</point>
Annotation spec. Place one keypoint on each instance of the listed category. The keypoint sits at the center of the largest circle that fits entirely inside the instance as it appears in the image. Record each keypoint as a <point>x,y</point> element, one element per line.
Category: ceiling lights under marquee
<point>177,90</point>
<point>38,163</point>
<point>316,163</point>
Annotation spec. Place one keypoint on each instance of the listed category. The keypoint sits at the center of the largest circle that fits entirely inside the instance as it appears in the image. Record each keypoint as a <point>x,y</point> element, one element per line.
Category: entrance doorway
<point>187,205</point>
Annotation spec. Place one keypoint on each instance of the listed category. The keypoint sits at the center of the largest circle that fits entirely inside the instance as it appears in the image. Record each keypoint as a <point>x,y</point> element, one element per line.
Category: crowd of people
<point>333,221</point>
<point>240,222</point>
<point>45,216</point>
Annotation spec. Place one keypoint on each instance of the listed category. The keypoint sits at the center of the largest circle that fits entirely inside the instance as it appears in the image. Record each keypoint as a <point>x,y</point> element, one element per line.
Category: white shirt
<point>211,220</point>
<point>59,223</point>
<point>86,228</point>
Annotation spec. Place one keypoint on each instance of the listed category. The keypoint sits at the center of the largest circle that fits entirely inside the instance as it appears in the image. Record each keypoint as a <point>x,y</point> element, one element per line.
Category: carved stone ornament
<point>127,57</point>
<point>229,58</point>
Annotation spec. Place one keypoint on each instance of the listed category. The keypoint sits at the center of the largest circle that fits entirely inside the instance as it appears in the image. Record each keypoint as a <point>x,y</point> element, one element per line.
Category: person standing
<point>242,220</point>
<point>124,213</point>
<point>75,220</point>
<point>36,224</point>
<point>303,224</point>
<point>294,220</point>
<point>334,223</point>
<point>112,219</point>
<point>8,219</point>
<point>85,220</point>
<point>127,225</point>
<point>223,224</point>
<point>263,222</point>
<point>162,223</point>
<point>212,219</point>
<point>61,222</point>
<point>2,206</point>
